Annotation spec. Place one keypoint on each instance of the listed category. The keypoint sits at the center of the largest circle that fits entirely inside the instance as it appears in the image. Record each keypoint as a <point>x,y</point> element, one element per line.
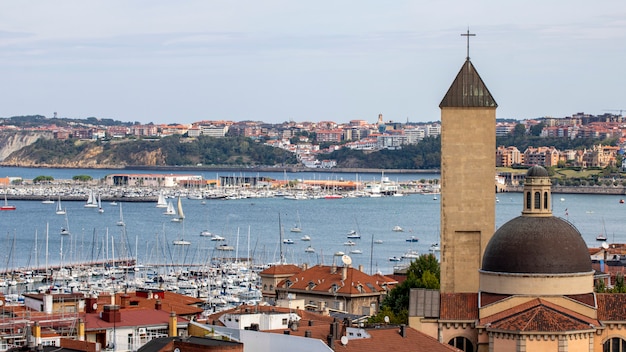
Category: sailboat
<point>100,209</point>
<point>181,215</point>
<point>91,201</point>
<point>121,222</point>
<point>170,209</point>
<point>161,202</point>
<point>65,230</point>
<point>181,241</point>
<point>297,227</point>
<point>60,210</point>
<point>6,205</point>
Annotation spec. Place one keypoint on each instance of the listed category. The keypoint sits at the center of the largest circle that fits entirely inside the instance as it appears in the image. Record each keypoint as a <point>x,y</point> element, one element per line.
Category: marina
<point>246,230</point>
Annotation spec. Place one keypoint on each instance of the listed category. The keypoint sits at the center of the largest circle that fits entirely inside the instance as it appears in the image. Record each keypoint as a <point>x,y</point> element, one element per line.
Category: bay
<point>252,225</point>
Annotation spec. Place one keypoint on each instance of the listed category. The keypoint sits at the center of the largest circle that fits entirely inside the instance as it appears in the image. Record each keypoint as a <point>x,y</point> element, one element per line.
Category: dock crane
<point>616,110</point>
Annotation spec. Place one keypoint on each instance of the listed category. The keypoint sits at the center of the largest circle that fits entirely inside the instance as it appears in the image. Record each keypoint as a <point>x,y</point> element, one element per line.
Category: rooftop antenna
<point>468,35</point>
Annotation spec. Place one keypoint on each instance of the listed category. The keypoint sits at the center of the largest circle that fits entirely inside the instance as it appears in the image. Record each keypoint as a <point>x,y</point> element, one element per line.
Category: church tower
<point>468,149</point>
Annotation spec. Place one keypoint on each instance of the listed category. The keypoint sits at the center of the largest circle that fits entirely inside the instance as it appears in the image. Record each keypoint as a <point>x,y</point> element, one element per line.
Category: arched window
<point>545,200</point>
<point>537,200</point>
<point>528,200</point>
<point>462,343</point>
<point>614,344</point>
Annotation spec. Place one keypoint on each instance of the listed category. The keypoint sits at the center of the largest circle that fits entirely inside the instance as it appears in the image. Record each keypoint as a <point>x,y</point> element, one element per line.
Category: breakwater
<point>609,190</point>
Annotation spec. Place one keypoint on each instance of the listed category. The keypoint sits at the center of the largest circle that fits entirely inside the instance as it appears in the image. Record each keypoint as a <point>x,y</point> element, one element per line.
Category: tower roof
<point>468,90</point>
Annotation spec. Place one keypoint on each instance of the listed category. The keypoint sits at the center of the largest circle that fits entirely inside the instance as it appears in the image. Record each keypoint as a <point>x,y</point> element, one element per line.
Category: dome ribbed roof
<point>537,245</point>
<point>537,171</point>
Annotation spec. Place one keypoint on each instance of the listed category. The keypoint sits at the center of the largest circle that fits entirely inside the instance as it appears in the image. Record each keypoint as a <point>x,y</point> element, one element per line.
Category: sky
<point>280,60</point>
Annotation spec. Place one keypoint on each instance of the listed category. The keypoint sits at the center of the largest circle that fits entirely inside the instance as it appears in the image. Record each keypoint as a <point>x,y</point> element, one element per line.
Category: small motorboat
<point>378,241</point>
<point>397,229</point>
<point>305,238</point>
<point>412,239</point>
<point>434,247</point>
<point>349,243</point>
<point>309,249</point>
<point>356,251</point>
<point>339,254</point>
<point>354,234</point>
<point>394,259</point>
<point>288,241</point>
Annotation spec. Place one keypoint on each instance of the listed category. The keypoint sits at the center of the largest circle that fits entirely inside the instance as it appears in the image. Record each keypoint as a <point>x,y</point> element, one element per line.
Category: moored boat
<point>6,205</point>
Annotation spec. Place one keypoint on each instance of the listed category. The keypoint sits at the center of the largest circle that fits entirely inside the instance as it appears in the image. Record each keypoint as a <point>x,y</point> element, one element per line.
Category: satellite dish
<point>605,245</point>
<point>1,303</point>
<point>344,340</point>
<point>386,319</point>
<point>346,259</point>
<point>95,306</point>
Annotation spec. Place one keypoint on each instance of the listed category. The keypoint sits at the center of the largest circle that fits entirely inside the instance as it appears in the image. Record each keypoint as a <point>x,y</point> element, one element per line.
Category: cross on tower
<point>468,35</point>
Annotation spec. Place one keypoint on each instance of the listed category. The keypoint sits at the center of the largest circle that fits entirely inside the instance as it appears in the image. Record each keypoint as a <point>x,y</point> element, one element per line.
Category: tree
<point>82,178</point>
<point>44,179</point>
<point>424,272</point>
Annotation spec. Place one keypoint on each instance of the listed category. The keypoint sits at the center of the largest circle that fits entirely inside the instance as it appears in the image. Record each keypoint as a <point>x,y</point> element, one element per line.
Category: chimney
<point>111,313</point>
<point>305,266</point>
<point>344,272</point>
<point>124,298</point>
<point>361,267</point>
<point>173,325</point>
<point>158,304</point>
<point>333,268</point>
<point>403,330</point>
<point>330,341</point>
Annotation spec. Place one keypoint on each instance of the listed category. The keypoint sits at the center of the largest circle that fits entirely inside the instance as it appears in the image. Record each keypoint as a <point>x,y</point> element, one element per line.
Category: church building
<point>529,286</point>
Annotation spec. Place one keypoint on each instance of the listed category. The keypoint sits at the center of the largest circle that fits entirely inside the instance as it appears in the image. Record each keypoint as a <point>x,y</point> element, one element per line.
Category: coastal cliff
<point>11,142</point>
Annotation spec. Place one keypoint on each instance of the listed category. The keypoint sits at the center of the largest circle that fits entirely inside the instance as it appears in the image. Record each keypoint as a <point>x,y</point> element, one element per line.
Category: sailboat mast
<point>47,250</point>
<point>280,229</point>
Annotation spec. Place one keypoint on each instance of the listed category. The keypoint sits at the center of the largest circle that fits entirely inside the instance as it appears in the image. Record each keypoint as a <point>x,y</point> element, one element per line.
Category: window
<point>614,344</point>
<point>527,200</point>
<point>462,343</point>
<point>284,321</point>
<point>545,200</point>
<point>537,200</point>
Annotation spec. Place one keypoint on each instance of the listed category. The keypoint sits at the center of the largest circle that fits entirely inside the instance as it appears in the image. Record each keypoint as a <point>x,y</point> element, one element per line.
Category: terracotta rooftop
<point>171,302</point>
<point>131,317</point>
<point>611,306</point>
<point>459,306</point>
<point>540,316</point>
<point>322,278</point>
<point>287,269</point>
<point>389,339</point>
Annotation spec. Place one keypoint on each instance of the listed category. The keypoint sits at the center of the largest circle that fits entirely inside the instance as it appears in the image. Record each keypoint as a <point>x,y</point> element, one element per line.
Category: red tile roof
<point>171,302</point>
<point>539,315</point>
<point>322,278</point>
<point>611,306</point>
<point>459,306</point>
<point>287,269</point>
<point>389,339</point>
<point>132,317</point>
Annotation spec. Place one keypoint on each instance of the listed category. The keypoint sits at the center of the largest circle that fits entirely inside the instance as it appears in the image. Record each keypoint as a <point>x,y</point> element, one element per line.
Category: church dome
<point>537,171</point>
<point>537,245</point>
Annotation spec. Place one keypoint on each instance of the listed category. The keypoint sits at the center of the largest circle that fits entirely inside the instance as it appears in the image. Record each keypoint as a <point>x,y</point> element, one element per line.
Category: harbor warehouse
<point>151,180</point>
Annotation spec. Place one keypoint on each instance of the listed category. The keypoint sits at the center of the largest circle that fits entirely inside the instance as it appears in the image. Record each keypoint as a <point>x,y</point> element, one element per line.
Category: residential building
<point>336,288</point>
<point>509,156</point>
<point>544,156</point>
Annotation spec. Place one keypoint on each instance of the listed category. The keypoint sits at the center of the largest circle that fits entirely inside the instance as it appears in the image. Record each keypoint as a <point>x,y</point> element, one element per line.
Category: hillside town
<point>309,139</point>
